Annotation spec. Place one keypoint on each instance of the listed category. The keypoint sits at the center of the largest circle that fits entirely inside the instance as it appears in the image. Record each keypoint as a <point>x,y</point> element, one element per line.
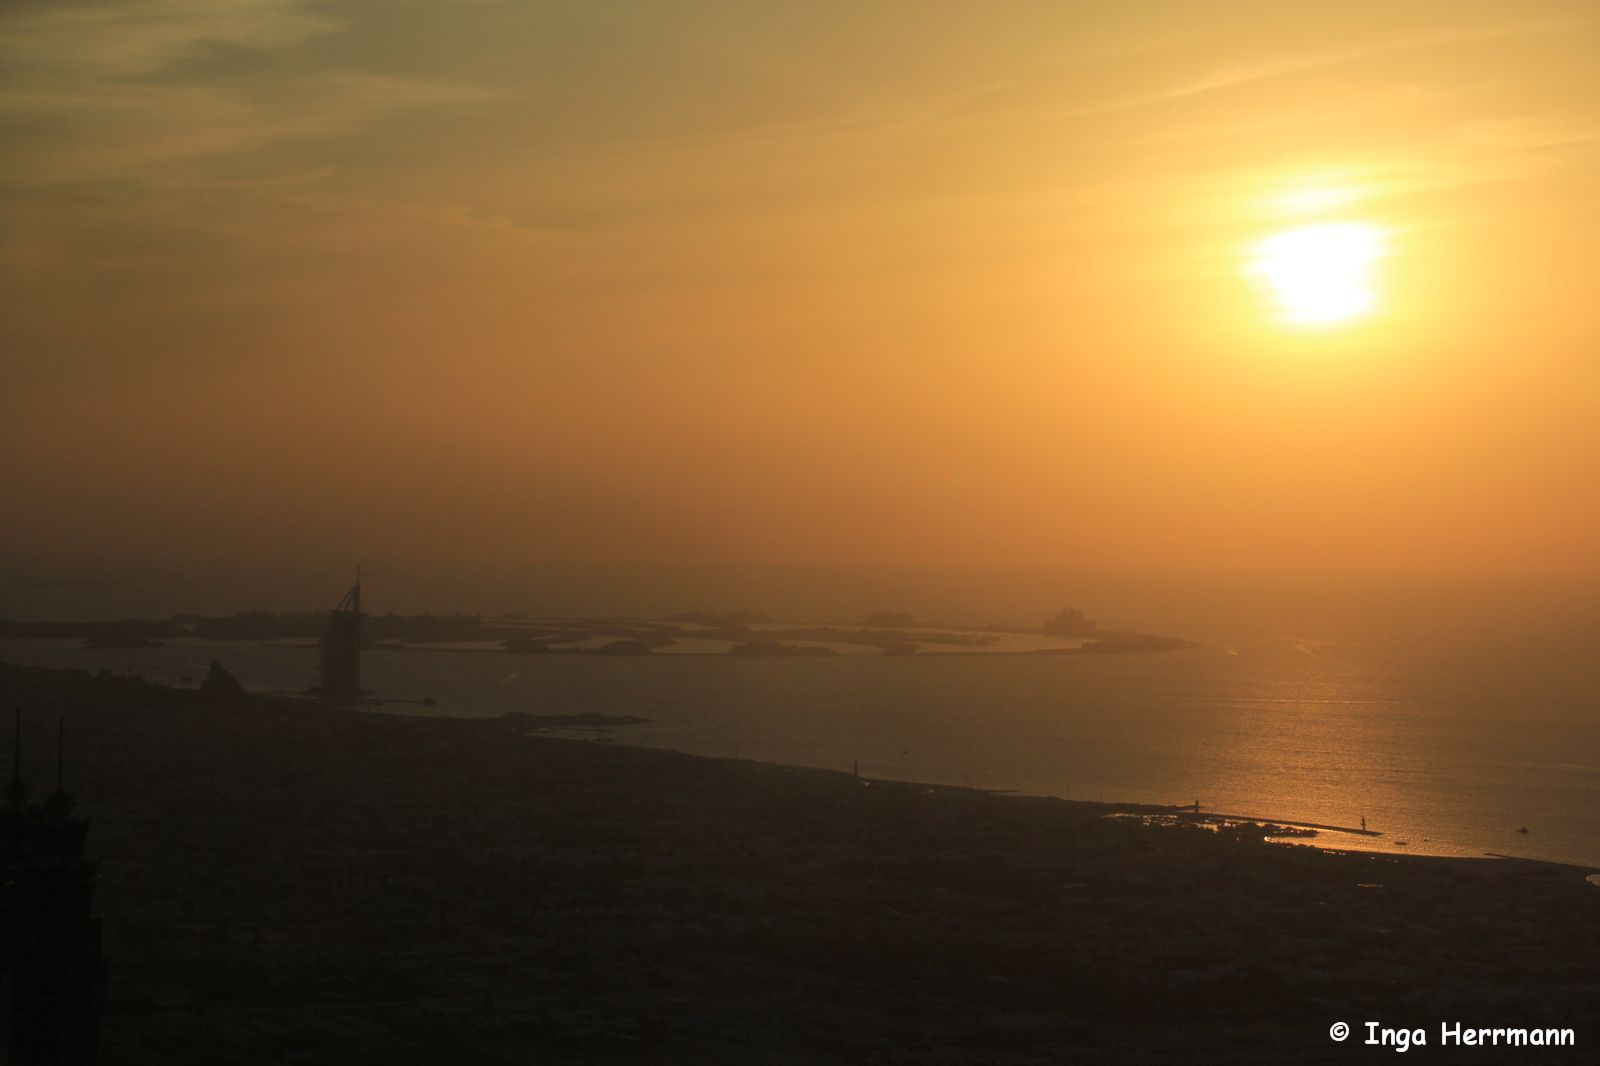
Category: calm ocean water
<point>1448,747</point>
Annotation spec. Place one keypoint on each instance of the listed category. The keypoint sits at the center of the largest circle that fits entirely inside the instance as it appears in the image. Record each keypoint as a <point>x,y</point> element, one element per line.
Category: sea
<point>1451,741</point>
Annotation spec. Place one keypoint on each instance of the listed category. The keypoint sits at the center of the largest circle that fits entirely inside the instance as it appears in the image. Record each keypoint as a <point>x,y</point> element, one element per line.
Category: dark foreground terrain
<point>283,883</point>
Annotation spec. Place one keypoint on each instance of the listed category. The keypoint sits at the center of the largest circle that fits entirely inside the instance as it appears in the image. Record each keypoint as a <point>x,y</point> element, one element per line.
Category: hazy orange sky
<point>813,283</point>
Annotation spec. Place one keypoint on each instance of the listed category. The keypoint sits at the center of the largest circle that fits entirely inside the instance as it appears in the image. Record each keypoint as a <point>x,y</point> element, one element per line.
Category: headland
<point>281,878</point>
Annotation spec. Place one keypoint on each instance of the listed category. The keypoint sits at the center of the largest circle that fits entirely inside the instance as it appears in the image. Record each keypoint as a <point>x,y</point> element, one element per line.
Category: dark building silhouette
<point>220,686</point>
<point>1070,622</point>
<point>341,648</point>
<point>52,978</point>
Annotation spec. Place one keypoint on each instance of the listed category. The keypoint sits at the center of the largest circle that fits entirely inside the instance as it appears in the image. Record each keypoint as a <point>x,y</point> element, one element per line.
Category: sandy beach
<point>286,882</point>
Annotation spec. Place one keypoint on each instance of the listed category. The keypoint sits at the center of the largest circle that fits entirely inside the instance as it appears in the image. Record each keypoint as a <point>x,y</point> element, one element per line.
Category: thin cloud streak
<point>113,41</point>
<point>1250,73</point>
<point>83,105</point>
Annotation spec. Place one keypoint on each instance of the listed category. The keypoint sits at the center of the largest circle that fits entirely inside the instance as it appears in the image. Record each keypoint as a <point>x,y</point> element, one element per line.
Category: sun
<point>1319,275</point>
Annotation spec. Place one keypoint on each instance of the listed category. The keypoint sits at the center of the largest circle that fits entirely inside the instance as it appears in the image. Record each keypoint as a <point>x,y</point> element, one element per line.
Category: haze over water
<point>1264,334</point>
<point>1448,717</point>
<point>1269,326</point>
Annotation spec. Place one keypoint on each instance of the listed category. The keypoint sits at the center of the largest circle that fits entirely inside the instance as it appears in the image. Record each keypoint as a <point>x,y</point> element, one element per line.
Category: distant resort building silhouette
<point>340,660</point>
<point>52,977</point>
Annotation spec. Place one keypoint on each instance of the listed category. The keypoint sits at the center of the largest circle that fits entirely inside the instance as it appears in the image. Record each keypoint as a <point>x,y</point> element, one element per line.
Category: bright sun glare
<point>1319,275</point>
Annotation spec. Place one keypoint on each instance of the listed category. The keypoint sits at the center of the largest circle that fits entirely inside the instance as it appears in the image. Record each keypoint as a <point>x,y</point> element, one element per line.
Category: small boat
<point>1523,830</point>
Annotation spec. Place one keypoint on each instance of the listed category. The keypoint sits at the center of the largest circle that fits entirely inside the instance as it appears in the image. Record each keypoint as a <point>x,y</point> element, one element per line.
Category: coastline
<point>371,887</point>
<point>1120,742</point>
